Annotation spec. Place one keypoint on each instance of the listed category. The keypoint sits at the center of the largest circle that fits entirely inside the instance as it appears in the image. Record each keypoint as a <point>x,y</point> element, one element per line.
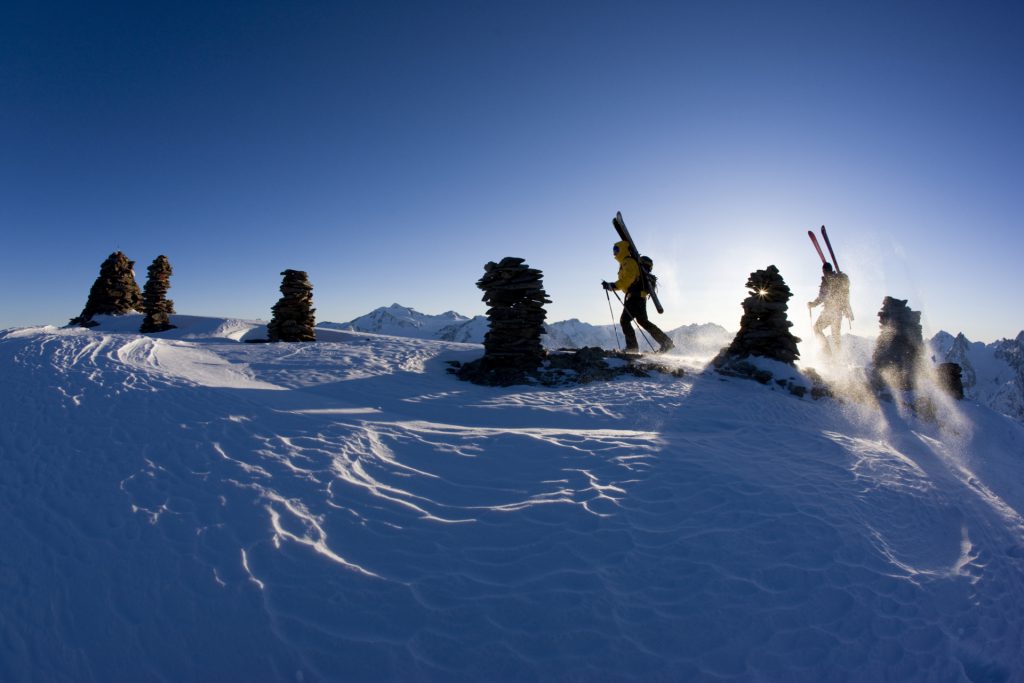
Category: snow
<point>401,321</point>
<point>185,506</point>
<point>993,374</point>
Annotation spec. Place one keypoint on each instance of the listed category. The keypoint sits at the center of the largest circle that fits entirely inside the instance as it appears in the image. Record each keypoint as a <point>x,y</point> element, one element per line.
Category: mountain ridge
<point>993,374</point>
<point>403,321</point>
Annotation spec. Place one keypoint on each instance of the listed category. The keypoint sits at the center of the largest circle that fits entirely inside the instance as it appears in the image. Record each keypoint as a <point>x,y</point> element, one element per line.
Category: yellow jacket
<point>629,270</point>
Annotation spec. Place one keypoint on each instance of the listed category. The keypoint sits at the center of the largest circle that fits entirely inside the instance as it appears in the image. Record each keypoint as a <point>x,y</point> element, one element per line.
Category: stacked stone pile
<point>764,327</point>
<point>293,318</point>
<point>114,292</point>
<point>950,378</point>
<point>516,296</point>
<point>899,350</point>
<point>157,306</point>
<point>512,346</point>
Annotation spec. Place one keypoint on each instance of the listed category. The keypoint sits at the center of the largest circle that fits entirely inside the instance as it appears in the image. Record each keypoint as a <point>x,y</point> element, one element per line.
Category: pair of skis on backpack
<point>620,227</point>
<point>824,236</point>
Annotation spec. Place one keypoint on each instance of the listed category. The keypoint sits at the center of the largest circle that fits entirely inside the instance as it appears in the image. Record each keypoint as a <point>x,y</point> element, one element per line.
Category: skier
<point>635,305</point>
<point>834,293</point>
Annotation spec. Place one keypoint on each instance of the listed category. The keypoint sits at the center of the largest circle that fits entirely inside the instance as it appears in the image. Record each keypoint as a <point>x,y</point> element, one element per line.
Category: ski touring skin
<point>620,227</point>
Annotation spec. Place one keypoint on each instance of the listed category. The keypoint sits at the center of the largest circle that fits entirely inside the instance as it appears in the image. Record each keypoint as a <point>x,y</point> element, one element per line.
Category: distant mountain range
<point>993,374</point>
<point>401,321</point>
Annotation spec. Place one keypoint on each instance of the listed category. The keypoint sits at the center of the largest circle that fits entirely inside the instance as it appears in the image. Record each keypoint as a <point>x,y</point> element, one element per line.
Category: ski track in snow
<point>208,510</point>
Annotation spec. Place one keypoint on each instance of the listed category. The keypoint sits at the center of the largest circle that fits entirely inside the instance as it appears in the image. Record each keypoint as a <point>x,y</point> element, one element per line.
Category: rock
<point>899,352</point>
<point>764,327</point>
<point>950,378</point>
<point>564,367</point>
<point>512,345</point>
<point>114,292</point>
<point>293,318</point>
<point>157,306</point>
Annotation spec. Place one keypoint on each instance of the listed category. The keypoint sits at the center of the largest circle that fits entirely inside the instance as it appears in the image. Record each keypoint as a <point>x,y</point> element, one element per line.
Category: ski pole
<point>633,320</point>
<point>615,330</point>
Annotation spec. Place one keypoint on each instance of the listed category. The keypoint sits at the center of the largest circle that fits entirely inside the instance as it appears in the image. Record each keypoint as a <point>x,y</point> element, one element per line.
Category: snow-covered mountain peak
<point>993,374</point>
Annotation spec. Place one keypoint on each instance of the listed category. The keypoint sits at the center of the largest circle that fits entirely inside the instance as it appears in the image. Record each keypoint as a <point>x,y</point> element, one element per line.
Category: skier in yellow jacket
<point>635,307</point>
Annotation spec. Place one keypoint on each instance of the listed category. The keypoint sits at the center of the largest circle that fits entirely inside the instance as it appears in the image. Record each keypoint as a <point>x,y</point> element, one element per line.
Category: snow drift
<point>188,507</point>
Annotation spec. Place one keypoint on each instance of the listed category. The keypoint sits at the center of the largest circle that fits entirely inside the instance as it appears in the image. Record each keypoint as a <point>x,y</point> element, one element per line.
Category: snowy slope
<point>185,506</point>
<point>993,374</point>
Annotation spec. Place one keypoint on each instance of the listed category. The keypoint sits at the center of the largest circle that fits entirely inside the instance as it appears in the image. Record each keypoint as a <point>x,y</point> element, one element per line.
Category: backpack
<point>841,283</point>
<point>647,264</point>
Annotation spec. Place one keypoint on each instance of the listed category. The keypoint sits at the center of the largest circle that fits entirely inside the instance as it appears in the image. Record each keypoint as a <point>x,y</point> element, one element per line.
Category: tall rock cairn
<point>951,378</point>
<point>157,306</point>
<point>293,314</point>
<point>764,327</point>
<point>114,292</point>
<point>899,351</point>
<point>516,296</point>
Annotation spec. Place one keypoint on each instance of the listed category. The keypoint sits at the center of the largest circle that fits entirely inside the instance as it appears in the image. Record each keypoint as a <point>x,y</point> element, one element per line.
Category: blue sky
<point>391,149</point>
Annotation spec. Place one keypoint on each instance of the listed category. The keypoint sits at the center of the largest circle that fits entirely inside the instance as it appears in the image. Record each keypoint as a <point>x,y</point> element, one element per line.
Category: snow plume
<point>943,434</point>
<point>850,378</point>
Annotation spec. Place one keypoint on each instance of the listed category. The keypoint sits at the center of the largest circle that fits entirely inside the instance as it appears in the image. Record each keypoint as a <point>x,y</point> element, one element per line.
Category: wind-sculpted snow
<point>194,508</point>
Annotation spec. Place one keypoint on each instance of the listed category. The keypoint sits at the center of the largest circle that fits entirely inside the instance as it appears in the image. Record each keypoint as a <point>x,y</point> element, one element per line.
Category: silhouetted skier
<point>834,293</point>
<point>635,305</point>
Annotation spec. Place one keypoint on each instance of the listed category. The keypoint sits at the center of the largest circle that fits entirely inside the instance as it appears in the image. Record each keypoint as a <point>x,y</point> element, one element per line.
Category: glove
<point>607,285</point>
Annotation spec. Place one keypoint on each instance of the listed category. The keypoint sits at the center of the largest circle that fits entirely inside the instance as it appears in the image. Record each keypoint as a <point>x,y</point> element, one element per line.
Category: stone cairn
<point>512,345</point>
<point>764,327</point>
<point>899,350</point>
<point>951,379</point>
<point>516,296</point>
<point>157,306</point>
<point>293,314</point>
<point>114,292</point>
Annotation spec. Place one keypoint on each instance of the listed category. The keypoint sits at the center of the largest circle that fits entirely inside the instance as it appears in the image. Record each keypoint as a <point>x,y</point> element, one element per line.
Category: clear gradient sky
<point>391,149</point>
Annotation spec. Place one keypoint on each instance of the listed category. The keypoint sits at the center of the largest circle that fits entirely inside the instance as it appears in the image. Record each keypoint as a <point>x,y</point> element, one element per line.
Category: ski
<point>814,241</point>
<point>620,227</point>
<point>828,243</point>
